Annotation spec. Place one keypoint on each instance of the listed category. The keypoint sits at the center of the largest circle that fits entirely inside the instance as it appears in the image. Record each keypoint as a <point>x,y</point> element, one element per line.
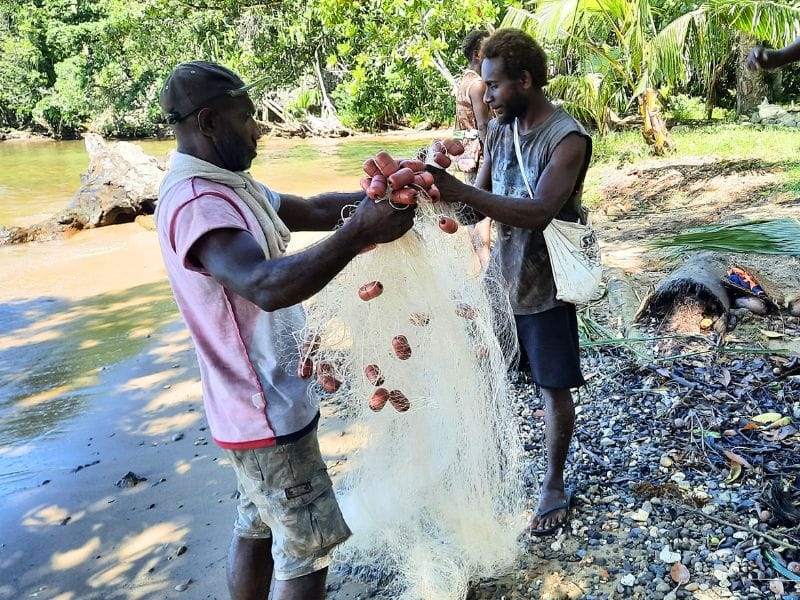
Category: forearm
<point>789,54</point>
<point>328,207</point>
<point>318,213</point>
<point>518,212</point>
<point>291,279</point>
<point>482,129</point>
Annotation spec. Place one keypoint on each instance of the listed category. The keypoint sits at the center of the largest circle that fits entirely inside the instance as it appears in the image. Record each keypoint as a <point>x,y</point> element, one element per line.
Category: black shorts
<point>550,341</point>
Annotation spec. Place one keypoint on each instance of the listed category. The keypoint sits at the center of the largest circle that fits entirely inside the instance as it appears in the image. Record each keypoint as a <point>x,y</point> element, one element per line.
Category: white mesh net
<point>434,495</point>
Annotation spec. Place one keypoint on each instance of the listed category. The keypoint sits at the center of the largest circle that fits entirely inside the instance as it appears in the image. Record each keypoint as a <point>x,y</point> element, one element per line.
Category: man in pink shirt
<point>223,238</point>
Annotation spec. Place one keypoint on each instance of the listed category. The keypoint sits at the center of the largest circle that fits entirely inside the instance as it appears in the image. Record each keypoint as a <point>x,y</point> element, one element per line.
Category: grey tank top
<point>521,254</point>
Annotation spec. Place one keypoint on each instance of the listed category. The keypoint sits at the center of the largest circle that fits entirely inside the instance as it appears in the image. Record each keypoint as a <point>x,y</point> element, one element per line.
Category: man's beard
<point>515,107</point>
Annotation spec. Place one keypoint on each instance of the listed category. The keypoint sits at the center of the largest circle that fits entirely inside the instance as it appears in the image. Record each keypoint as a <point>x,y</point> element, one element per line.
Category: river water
<point>72,309</point>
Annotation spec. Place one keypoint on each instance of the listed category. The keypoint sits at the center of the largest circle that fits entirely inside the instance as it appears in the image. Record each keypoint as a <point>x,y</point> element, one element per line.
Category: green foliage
<point>765,236</point>
<point>70,65</point>
<point>67,65</point>
<point>626,46</point>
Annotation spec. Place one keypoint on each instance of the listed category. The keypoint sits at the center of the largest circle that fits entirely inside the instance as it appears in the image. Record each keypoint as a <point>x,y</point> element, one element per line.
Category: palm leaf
<point>768,236</point>
<point>517,18</point>
<point>775,22</point>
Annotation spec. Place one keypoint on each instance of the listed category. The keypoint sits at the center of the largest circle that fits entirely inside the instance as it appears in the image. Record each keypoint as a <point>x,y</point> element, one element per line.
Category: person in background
<point>223,238</point>
<point>472,114</point>
<point>761,58</point>
<point>555,151</point>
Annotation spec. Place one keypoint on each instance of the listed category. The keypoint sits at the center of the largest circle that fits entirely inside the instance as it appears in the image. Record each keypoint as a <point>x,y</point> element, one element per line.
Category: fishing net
<point>434,494</point>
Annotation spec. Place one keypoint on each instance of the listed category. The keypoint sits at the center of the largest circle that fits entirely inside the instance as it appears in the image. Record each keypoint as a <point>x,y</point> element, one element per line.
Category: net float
<point>311,344</point>
<point>386,163</point>
<point>373,374</point>
<point>404,196</point>
<point>419,319</point>
<point>413,164</point>
<point>447,224</point>
<point>377,187</point>
<point>324,368</point>
<point>434,194</point>
<point>328,383</point>
<point>399,401</point>
<point>370,168</point>
<point>365,183</point>
<point>305,368</point>
<point>441,159</point>
<point>401,347</point>
<point>401,178</point>
<point>370,290</point>
<point>453,147</point>
<point>378,399</point>
<point>424,179</point>
<point>465,310</point>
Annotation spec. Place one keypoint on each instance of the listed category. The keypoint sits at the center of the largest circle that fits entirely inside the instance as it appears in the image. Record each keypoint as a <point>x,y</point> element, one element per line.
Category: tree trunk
<point>750,85</point>
<point>655,130</point>
<point>711,91</point>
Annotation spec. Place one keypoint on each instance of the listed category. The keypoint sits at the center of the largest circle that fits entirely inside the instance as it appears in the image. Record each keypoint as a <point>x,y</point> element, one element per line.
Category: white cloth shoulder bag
<point>573,249</point>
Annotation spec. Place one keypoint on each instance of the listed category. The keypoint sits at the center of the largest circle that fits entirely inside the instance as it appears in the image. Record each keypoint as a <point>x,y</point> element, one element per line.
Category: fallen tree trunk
<point>699,277</point>
<point>626,303</point>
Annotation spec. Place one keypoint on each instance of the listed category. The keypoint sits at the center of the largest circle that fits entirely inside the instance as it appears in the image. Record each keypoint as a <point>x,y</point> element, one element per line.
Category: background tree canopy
<point>68,65</point>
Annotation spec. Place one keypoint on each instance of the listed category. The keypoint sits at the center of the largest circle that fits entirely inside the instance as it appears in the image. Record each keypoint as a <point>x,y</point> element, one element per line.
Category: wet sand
<point>68,533</point>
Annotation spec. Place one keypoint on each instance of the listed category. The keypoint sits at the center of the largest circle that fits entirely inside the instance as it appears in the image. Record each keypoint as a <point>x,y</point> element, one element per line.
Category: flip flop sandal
<point>565,505</point>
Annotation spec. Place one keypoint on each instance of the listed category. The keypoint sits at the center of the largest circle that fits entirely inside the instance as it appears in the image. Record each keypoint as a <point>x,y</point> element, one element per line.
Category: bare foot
<point>551,512</point>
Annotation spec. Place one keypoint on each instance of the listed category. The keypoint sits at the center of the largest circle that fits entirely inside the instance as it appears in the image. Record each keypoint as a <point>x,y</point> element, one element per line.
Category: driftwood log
<point>699,277</point>
<point>624,301</point>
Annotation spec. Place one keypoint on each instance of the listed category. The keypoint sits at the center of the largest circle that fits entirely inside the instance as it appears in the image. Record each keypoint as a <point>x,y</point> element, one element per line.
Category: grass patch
<point>770,145</point>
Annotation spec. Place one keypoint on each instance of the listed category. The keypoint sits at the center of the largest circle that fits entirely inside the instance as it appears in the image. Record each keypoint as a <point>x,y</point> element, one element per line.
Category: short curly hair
<point>520,52</point>
<point>473,42</point>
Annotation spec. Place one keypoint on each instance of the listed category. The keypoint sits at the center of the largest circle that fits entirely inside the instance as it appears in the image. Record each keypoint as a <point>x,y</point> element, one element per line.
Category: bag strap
<point>519,159</point>
<point>583,213</point>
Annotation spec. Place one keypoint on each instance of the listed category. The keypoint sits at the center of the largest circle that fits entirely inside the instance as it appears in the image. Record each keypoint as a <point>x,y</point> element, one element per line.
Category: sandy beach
<point>69,533</point>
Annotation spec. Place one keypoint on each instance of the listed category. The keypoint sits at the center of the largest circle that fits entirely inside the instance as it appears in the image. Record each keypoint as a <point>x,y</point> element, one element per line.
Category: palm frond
<point>775,22</point>
<point>668,48</point>
<point>517,18</point>
<point>767,236</point>
<point>555,18</point>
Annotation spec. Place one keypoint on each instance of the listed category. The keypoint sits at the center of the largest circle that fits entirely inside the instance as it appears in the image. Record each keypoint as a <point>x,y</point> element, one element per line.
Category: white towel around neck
<point>185,166</point>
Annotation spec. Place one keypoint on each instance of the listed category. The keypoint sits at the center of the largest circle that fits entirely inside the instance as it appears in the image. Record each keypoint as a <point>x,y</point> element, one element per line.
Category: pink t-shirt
<point>247,356</point>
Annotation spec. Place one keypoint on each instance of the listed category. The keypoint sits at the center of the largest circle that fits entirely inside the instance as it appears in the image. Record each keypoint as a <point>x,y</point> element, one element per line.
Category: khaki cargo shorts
<point>285,493</point>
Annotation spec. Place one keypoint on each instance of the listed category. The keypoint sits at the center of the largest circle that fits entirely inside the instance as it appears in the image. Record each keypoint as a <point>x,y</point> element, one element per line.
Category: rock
<point>754,305</point>
<point>182,587</point>
<point>120,183</point>
<point>668,556</point>
<point>146,221</point>
<point>665,461</point>
<point>628,580</point>
<point>129,480</point>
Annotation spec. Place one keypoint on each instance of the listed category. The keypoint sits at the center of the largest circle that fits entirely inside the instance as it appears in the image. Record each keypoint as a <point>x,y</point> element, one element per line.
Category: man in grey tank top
<point>556,151</point>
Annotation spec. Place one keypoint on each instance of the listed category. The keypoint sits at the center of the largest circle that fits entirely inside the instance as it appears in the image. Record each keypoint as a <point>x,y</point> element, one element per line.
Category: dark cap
<point>193,85</point>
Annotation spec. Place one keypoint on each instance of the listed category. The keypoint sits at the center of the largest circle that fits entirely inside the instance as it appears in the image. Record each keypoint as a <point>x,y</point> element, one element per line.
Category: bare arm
<point>318,213</point>
<point>760,58</point>
<point>479,108</point>
<point>237,261</point>
<point>484,179</point>
<point>555,186</point>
